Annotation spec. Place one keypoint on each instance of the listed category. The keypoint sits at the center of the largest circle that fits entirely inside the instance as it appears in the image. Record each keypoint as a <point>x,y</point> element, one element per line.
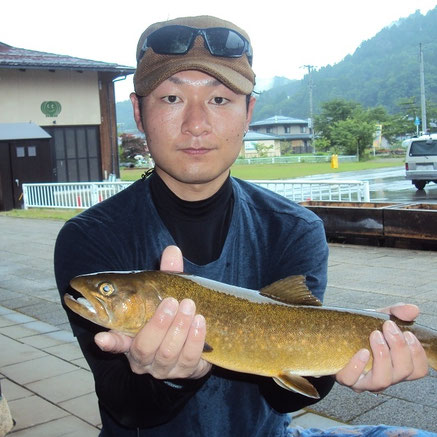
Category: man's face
<point>194,127</point>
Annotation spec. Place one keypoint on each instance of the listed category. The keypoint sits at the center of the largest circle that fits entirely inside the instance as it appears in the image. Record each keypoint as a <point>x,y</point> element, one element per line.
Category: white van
<point>421,160</point>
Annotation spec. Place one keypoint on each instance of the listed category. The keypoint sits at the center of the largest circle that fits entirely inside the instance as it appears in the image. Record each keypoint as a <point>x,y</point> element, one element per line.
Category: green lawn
<point>253,171</point>
<point>42,213</point>
<point>287,171</point>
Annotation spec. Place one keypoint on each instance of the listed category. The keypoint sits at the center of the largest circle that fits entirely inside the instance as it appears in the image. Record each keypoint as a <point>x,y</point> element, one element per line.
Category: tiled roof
<point>13,57</point>
<point>258,136</point>
<point>279,119</point>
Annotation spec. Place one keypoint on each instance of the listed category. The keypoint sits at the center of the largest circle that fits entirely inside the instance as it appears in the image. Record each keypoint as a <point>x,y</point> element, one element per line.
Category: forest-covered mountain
<point>383,70</point>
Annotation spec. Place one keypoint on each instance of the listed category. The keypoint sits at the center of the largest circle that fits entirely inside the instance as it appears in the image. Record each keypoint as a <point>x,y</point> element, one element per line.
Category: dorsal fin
<point>291,290</point>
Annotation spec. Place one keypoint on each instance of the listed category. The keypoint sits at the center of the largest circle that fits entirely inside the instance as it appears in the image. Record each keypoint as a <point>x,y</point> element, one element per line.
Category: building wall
<point>23,92</point>
<point>271,148</point>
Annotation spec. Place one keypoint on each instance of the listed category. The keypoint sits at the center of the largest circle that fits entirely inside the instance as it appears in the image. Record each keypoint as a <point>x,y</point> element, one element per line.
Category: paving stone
<point>6,294</point>
<point>64,387</point>
<point>67,351</point>
<point>33,410</point>
<point>84,407</point>
<point>81,362</point>
<point>20,301</point>
<point>398,412</point>
<point>66,427</point>
<point>343,404</point>
<point>26,329</point>
<point>14,391</point>
<point>49,339</point>
<point>37,369</point>
<point>422,391</point>
<point>57,318</point>
<point>65,327</point>
<point>310,420</point>
<point>4,310</point>
<point>16,352</point>
<point>17,318</point>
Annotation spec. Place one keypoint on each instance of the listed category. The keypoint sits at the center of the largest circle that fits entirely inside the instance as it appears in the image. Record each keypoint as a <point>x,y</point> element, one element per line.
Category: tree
<point>332,111</point>
<point>132,146</point>
<point>352,136</point>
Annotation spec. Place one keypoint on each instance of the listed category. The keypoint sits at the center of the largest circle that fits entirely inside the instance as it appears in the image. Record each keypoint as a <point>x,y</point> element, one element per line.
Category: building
<point>259,145</point>
<point>73,100</point>
<point>294,134</point>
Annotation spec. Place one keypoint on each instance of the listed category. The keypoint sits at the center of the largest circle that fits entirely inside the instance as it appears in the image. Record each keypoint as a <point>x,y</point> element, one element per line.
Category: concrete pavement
<point>49,386</point>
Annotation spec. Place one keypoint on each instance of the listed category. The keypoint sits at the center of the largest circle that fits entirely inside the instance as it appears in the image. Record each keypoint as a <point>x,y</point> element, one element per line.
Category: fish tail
<point>432,357</point>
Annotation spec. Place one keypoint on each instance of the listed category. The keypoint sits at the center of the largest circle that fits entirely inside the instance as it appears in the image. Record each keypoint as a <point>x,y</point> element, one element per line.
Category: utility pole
<point>310,88</point>
<point>422,91</point>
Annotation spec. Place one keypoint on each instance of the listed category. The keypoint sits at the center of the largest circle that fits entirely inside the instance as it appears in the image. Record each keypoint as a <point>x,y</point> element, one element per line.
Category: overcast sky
<point>285,34</point>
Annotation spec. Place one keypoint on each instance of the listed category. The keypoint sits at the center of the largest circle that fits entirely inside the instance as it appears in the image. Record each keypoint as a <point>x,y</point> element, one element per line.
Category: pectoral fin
<point>298,384</point>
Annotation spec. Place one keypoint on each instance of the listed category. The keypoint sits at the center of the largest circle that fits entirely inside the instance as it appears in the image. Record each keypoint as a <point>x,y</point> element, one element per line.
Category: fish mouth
<point>91,308</point>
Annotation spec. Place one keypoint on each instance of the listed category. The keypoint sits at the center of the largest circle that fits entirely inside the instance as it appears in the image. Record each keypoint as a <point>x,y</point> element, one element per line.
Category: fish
<point>281,331</point>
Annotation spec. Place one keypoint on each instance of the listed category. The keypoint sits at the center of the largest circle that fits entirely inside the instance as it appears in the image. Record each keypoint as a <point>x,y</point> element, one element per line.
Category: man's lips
<point>196,150</point>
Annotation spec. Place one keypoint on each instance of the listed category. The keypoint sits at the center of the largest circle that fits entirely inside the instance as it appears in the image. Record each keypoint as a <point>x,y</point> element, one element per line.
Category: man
<point>192,99</point>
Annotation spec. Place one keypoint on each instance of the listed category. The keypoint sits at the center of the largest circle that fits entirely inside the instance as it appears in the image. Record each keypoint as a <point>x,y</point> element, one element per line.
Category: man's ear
<point>137,111</point>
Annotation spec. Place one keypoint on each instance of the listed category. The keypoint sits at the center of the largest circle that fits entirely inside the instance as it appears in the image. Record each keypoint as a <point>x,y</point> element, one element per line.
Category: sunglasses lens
<point>173,40</point>
<point>224,42</point>
<point>177,40</point>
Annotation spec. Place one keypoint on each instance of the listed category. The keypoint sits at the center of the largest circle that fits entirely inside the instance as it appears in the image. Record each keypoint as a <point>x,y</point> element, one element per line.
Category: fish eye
<point>106,288</point>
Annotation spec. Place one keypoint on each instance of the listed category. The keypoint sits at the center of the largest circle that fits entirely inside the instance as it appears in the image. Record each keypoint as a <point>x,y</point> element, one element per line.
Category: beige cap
<point>154,68</point>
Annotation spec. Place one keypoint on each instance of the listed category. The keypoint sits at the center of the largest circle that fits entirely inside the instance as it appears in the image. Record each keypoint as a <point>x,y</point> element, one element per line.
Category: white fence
<point>295,159</point>
<point>83,195</point>
<point>300,190</point>
<point>76,195</point>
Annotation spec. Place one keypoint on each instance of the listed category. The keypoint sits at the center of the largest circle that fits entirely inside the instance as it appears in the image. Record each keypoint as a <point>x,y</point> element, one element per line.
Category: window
<point>287,129</point>
<point>21,152</point>
<point>424,148</point>
<point>303,129</point>
<point>31,151</point>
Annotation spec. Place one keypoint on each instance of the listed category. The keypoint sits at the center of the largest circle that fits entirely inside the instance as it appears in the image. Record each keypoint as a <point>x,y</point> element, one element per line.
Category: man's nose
<point>196,120</point>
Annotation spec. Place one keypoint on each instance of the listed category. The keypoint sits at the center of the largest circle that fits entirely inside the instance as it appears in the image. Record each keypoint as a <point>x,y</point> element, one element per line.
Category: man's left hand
<point>397,356</point>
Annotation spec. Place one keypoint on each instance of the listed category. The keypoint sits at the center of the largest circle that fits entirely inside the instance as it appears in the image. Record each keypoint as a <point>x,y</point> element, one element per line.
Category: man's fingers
<point>352,372</point>
<point>113,342</point>
<point>172,260</point>
<point>418,354</point>
<point>189,356</point>
<point>167,355</point>
<point>401,359</point>
<point>149,339</point>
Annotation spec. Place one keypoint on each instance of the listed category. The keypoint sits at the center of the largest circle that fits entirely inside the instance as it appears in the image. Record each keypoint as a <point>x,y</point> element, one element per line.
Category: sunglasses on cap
<point>178,40</point>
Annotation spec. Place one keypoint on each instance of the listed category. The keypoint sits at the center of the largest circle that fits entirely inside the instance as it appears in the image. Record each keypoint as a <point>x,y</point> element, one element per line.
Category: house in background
<point>256,145</point>
<point>73,100</point>
<point>293,132</point>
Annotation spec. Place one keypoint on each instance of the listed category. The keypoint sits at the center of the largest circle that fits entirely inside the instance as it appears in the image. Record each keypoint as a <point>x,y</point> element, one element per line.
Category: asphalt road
<point>389,184</point>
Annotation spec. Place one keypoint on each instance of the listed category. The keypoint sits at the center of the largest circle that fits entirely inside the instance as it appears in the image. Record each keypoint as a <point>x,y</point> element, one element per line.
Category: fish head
<point>118,301</point>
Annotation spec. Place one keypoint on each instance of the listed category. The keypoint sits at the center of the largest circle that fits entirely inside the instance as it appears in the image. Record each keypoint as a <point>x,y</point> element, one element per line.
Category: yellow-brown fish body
<point>280,331</point>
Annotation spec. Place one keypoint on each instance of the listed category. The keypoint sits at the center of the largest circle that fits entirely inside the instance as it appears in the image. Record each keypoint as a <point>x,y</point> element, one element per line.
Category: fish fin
<point>298,384</point>
<point>401,322</point>
<point>291,290</point>
<point>207,348</point>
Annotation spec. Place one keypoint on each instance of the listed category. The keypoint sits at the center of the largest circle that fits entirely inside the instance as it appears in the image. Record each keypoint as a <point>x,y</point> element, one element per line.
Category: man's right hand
<point>170,345</point>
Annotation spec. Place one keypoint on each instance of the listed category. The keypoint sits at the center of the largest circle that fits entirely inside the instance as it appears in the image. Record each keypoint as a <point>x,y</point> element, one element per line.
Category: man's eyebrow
<point>208,82</point>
